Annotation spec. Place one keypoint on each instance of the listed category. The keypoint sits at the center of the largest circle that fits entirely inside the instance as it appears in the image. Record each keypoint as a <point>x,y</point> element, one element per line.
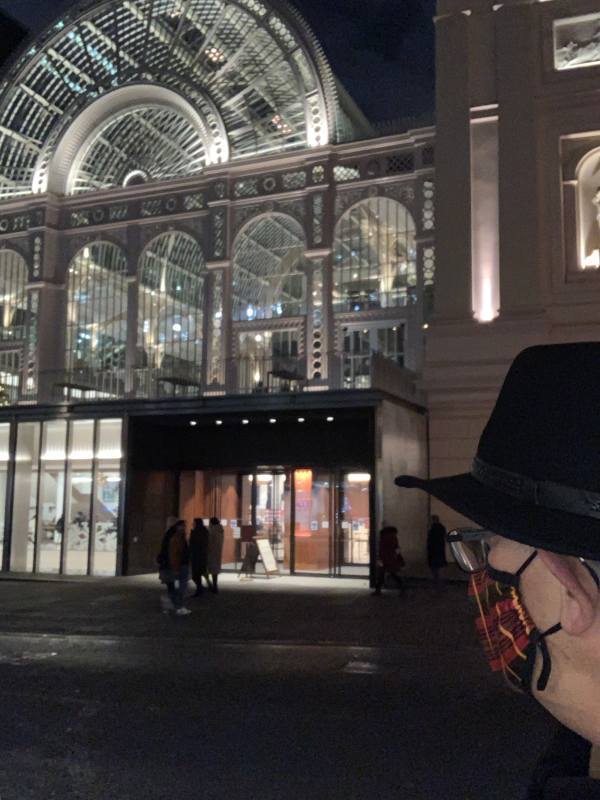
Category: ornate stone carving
<point>243,214</point>
<point>22,221</point>
<point>404,193</point>
<point>194,202</point>
<point>577,42</point>
<point>345,200</point>
<point>220,190</point>
<point>118,213</point>
<point>219,220</point>
<point>36,262</point>
<point>318,209</point>
<point>295,208</point>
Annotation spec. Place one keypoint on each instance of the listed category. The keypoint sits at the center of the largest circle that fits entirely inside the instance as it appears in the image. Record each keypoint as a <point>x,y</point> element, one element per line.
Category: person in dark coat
<point>436,548</point>
<point>199,555</point>
<point>215,551</point>
<point>390,560</point>
<point>173,562</point>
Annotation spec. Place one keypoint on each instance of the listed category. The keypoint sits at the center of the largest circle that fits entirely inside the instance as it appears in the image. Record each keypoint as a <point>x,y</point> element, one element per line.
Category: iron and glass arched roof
<point>126,91</point>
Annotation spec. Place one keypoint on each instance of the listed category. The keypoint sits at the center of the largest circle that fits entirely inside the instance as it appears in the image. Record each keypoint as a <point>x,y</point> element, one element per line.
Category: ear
<point>580,600</point>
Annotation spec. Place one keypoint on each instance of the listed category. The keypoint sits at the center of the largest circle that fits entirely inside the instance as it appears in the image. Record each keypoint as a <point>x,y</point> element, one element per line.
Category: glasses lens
<point>470,549</point>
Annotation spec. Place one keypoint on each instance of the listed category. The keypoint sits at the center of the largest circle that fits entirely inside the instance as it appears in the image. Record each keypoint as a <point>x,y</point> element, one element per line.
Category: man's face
<point>575,676</point>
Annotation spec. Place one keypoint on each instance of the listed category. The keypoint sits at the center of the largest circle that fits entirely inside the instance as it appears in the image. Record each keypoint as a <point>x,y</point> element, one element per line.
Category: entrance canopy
<point>207,81</point>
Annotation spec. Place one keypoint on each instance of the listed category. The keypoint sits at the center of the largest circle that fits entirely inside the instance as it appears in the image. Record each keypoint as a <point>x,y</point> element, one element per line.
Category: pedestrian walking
<point>199,555</point>
<point>436,549</point>
<point>390,560</point>
<point>216,537</point>
<point>173,560</point>
<point>165,573</point>
<point>534,562</point>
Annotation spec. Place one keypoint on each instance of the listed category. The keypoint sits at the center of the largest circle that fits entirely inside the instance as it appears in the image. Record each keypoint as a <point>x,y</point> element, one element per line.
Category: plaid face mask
<point>509,636</point>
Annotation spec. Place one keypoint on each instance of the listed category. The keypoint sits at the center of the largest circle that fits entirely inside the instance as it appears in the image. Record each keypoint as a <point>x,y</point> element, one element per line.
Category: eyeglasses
<point>470,547</point>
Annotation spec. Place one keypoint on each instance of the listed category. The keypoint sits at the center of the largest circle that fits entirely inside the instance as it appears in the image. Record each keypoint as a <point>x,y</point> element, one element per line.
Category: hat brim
<point>543,528</point>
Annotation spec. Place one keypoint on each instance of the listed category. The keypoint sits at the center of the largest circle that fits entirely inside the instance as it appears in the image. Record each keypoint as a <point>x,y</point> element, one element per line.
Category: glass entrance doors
<point>317,521</point>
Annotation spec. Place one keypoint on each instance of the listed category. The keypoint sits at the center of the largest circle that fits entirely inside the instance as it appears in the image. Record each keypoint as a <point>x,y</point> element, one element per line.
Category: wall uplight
<point>592,261</point>
<point>487,311</point>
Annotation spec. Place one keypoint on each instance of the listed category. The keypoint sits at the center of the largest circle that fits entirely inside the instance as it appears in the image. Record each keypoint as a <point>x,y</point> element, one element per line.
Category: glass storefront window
<point>4,460</point>
<point>269,361</point>
<point>79,497</point>
<point>107,498</point>
<point>273,514</point>
<point>67,491</point>
<point>353,552</point>
<point>312,518</point>
<point>24,521</point>
<point>51,508</point>
<point>359,346</point>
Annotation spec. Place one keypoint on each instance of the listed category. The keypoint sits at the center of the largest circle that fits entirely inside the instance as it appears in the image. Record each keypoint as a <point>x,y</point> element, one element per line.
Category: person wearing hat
<point>534,563</point>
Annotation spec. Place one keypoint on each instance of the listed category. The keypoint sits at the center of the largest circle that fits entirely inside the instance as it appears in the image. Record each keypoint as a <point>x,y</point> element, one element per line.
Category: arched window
<point>172,273</point>
<point>13,296</point>
<point>268,276</point>
<point>97,308</point>
<point>374,257</point>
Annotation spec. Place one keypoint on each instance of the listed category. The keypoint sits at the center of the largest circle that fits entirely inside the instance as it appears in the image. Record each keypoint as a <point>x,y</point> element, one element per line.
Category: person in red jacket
<point>389,561</point>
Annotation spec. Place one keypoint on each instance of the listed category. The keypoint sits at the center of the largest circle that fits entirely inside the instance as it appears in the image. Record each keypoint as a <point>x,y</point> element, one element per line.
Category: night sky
<point>382,50</point>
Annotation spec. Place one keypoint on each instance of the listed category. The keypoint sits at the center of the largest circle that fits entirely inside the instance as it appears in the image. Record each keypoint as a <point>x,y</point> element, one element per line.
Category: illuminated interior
<point>255,77</point>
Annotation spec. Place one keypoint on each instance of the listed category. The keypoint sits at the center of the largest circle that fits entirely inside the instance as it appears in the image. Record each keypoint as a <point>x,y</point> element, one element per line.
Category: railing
<point>242,376</point>
<point>248,375</point>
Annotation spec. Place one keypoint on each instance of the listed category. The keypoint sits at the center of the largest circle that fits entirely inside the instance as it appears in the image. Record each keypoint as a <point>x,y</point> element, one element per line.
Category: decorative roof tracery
<point>249,78</point>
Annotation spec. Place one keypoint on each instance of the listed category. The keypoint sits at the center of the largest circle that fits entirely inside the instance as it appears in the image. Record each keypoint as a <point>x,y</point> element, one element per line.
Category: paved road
<point>293,692</point>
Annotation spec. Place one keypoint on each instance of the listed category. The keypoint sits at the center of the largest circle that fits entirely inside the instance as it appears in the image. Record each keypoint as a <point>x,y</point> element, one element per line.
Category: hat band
<point>538,493</point>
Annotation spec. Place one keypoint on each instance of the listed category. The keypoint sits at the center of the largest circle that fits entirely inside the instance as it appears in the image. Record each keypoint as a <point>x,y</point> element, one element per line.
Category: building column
<point>453,170</point>
<point>517,55</point>
<point>131,355</point>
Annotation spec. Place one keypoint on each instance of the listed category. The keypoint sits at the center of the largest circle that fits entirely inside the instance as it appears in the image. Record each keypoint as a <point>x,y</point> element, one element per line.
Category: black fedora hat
<point>536,476</point>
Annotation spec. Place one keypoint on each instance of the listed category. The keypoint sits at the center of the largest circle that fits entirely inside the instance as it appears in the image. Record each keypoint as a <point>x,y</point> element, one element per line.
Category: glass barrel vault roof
<point>252,72</point>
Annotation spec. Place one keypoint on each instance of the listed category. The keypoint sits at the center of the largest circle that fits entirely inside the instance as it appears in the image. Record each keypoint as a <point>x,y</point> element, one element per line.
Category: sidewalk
<point>298,610</point>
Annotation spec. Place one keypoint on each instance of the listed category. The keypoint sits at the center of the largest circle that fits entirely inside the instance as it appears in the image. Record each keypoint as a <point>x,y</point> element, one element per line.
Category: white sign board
<point>267,555</point>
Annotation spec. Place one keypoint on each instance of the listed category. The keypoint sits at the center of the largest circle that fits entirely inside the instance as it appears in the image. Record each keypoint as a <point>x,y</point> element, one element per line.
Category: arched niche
<point>587,177</point>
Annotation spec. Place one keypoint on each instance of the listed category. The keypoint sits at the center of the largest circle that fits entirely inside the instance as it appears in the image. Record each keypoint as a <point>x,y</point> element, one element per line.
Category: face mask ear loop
<point>593,574</point>
<point>524,566</point>
<point>540,641</point>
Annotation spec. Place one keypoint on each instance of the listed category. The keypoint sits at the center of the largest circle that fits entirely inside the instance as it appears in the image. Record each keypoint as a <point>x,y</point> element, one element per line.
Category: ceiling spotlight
<point>272,420</point>
<point>193,423</point>
<point>245,422</point>
<point>330,419</point>
<point>219,422</point>
<point>301,419</point>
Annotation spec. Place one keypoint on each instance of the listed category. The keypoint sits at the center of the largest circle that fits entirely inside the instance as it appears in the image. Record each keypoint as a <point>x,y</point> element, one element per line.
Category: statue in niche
<point>596,202</point>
